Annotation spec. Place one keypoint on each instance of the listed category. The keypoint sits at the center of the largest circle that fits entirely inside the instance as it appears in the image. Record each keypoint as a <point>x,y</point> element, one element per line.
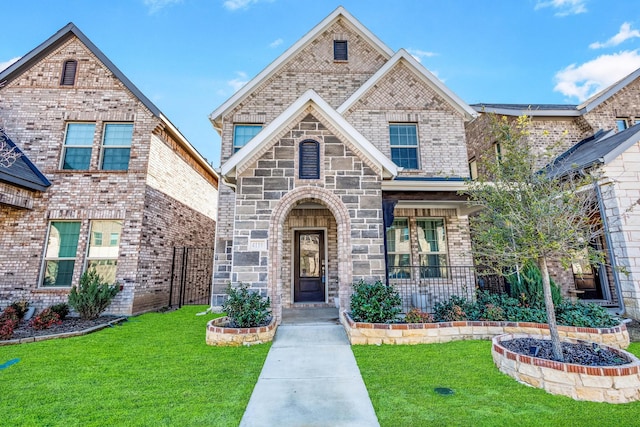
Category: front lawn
<point>401,382</point>
<point>154,369</point>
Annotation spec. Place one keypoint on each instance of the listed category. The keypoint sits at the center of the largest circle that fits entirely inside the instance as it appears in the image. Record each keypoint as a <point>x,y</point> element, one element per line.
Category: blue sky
<point>189,56</point>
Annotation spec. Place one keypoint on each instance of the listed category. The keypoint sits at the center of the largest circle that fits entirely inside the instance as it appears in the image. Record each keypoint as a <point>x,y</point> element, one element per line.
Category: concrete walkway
<point>310,377</point>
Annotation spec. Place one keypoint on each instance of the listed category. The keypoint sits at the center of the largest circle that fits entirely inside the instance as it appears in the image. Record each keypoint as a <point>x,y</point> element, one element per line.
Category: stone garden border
<point>611,384</point>
<point>428,333</point>
<point>223,336</point>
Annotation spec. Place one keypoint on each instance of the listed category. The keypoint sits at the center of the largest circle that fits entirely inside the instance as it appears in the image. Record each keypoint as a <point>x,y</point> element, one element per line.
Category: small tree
<point>529,213</point>
<point>93,296</point>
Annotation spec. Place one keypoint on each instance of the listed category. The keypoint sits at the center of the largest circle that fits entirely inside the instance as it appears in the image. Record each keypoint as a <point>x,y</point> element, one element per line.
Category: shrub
<point>62,309</point>
<point>245,308</point>
<point>20,307</point>
<point>374,303</point>
<point>92,296</point>
<point>415,315</point>
<point>455,309</point>
<point>584,315</point>
<point>45,319</point>
<point>528,287</point>
<point>8,322</point>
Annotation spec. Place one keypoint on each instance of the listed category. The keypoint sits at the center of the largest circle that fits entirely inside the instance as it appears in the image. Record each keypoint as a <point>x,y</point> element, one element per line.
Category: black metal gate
<point>191,274</point>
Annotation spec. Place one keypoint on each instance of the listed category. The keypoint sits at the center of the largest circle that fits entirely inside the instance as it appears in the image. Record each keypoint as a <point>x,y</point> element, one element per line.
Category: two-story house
<point>602,133</point>
<point>105,180</point>
<point>341,162</point>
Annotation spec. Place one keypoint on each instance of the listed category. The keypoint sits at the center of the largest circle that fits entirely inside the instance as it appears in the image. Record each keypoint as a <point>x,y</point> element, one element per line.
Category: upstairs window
<point>309,160</point>
<point>242,134</point>
<point>340,52</point>
<point>404,145</point>
<point>68,77</point>
<point>78,142</point>
<point>116,146</point>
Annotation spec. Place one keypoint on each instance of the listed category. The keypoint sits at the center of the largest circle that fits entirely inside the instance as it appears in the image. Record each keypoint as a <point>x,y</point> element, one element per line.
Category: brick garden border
<point>428,333</point>
<point>220,335</point>
<point>611,384</point>
<point>64,334</point>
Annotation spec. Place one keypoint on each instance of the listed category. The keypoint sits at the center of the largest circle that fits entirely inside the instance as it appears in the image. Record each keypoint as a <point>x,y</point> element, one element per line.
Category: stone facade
<point>165,197</point>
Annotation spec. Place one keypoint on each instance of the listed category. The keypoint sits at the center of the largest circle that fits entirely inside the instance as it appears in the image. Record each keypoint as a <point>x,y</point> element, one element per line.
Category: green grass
<point>154,370</point>
<point>401,382</point>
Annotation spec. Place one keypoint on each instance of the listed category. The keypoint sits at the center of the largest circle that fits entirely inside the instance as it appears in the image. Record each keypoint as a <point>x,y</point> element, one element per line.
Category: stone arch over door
<point>276,238</point>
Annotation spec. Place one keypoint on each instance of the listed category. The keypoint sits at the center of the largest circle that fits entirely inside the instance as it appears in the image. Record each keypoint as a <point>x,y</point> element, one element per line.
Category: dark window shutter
<point>340,50</point>
<point>69,73</point>
<point>309,160</point>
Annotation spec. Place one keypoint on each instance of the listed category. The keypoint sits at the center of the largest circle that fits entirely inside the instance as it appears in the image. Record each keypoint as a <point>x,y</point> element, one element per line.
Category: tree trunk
<point>551,311</point>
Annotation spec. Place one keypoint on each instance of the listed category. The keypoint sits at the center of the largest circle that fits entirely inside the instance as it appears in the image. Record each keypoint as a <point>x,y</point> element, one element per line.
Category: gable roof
<point>387,168</point>
<point>607,93</point>
<point>598,149</point>
<point>70,30</point>
<point>426,76</point>
<point>339,13</point>
<point>22,173</point>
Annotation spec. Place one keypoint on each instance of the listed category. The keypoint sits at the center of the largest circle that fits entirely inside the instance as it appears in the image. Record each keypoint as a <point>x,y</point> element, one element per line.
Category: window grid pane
<point>61,251</point>
<point>242,134</point>
<point>118,134</point>
<point>78,142</point>
<point>76,158</point>
<point>432,246</point>
<point>103,254</point>
<point>404,145</point>
<point>116,159</point>
<point>399,249</point>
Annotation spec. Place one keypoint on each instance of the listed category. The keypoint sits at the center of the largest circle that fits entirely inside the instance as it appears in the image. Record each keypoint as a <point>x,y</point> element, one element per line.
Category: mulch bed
<point>579,354</point>
<point>70,324</point>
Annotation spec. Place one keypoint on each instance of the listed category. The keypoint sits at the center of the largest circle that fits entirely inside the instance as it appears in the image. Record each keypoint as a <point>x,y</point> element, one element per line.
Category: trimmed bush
<point>20,307</point>
<point>45,319</point>
<point>92,297</point>
<point>61,309</point>
<point>375,303</point>
<point>585,315</point>
<point>245,308</point>
<point>454,309</point>
<point>415,315</point>
<point>8,322</point>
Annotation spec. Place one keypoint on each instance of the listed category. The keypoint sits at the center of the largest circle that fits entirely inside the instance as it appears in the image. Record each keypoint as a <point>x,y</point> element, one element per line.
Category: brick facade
<point>166,197</point>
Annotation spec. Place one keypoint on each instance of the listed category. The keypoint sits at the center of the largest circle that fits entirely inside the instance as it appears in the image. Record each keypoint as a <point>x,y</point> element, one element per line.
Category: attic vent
<point>69,73</point>
<point>340,50</point>
<point>309,160</point>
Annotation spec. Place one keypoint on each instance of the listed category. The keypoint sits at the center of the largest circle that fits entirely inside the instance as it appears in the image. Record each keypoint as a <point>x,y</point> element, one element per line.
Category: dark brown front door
<point>309,279</point>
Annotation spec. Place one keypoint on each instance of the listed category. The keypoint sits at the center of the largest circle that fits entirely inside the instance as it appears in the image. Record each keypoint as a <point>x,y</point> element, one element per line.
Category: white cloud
<point>419,54</point>
<point>239,4</point>
<point>583,81</point>
<point>5,64</point>
<point>563,7</point>
<point>156,5</point>
<point>624,34</point>
<point>276,43</point>
<point>239,81</point>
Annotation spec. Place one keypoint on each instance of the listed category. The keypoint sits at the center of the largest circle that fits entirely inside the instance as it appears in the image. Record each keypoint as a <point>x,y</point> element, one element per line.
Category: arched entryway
<point>284,229</point>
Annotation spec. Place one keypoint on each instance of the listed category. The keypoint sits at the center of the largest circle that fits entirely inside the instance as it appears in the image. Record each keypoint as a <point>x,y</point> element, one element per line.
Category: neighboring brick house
<point>125,184</point>
<point>587,133</point>
<point>342,160</point>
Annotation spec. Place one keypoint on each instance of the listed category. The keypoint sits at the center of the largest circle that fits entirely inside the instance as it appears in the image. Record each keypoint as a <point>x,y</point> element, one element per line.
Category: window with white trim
<point>399,249</point>
<point>78,143</point>
<point>116,146</point>
<point>103,253</point>
<point>243,133</point>
<point>432,247</point>
<point>403,138</point>
<point>61,253</point>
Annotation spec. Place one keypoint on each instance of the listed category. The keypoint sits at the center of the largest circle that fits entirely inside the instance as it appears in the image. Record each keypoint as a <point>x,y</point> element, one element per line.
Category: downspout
<point>612,256</point>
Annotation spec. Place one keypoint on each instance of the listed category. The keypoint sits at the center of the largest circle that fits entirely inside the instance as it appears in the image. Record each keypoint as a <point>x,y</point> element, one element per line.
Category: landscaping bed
<point>219,333</point>
<point>70,326</point>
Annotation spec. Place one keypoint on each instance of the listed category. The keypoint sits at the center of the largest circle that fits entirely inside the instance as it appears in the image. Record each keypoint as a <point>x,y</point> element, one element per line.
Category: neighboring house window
<point>473,168</point>
<point>78,142</point>
<point>340,52</point>
<point>60,257</point>
<point>497,147</point>
<point>103,254</point>
<point>432,248</point>
<point>243,134</point>
<point>399,249</point>
<point>116,146</point>
<point>68,77</point>
<point>622,124</point>
<point>404,145</point>
<point>309,160</point>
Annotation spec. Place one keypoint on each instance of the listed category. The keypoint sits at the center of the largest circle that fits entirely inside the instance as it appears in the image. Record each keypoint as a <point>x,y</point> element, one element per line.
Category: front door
<point>309,268</point>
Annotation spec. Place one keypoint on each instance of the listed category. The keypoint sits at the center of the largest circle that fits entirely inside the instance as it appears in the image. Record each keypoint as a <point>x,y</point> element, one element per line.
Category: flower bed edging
<point>220,335</point>
<point>611,384</point>
<point>64,334</point>
<point>429,333</point>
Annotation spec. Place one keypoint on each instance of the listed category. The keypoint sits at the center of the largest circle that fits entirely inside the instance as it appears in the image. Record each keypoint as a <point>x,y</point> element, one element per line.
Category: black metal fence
<point>191,274</point>
<point>423,287</point>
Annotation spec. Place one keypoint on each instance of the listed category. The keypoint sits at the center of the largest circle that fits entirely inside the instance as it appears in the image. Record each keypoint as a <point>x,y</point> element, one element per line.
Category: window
<point>309,160</point>
<point>622,124</point>
<point>103,254</point>
<point>68,77</point>
<point>78,142</point>
<point>116,146</point>
<point>60,257</point>
<point>473,168</point>
<point>243,134</point>
<point>432,248</point>
<point>399,249</point>
<point>404,145</point>
<point>340,50</point>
